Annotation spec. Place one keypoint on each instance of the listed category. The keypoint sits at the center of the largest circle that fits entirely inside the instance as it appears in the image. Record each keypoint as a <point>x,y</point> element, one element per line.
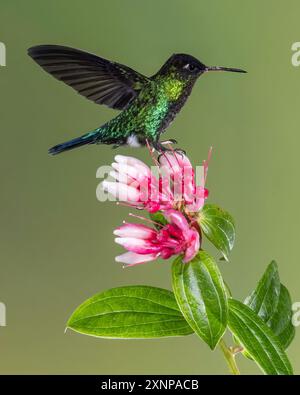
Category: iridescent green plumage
<point>148,115</point>
<point>148,104</point>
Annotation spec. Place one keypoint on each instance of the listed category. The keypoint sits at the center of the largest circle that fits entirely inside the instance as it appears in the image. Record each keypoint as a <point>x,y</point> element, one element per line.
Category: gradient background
<point>56,239</point>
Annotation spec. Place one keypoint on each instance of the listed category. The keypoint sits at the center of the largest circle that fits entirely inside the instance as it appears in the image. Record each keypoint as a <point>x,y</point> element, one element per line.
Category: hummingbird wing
<point>98,79</point>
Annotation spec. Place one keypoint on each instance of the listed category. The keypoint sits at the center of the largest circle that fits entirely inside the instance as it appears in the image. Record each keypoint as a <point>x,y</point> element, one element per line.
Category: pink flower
<point>137,186</point>
<point>146,244</point>
<point>181,172</point>
<point>173,187</point>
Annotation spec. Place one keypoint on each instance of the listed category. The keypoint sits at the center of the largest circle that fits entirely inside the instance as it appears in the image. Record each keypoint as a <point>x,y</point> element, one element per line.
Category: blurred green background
<point>56,239</point>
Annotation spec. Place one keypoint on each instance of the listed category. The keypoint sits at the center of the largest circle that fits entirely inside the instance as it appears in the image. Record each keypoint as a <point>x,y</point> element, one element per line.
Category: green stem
<point>230,358</point>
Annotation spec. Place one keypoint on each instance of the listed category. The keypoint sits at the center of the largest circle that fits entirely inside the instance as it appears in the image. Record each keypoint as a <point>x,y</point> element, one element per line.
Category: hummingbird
<point>148,104</point>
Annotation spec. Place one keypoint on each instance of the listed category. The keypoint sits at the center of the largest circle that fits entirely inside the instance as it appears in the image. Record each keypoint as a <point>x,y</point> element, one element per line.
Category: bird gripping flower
<point>173,187</point>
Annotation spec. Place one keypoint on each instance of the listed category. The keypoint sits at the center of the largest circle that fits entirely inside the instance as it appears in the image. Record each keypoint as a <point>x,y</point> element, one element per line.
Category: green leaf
<point>201,296</point>
<point>271,301</point>
<point>228,290</point>
<point>258,339</point>
<point>158,218</point>
<point>218,226</point>
<point>130,312</point>
<point>281,320</point>
<point>264,299</point>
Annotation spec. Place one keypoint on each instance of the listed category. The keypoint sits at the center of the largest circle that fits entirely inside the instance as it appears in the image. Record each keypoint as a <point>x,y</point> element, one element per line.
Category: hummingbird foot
<point>180,151</point>
<point>161,149</point>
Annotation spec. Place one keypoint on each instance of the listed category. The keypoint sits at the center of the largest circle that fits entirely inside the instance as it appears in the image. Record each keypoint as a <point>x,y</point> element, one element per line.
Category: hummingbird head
<point>190,68</point>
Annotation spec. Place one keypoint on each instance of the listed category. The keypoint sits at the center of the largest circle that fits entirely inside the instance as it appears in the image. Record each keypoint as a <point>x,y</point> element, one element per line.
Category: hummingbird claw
<point>180,151</point>
<point>159,157</point>
<point>159,146</point>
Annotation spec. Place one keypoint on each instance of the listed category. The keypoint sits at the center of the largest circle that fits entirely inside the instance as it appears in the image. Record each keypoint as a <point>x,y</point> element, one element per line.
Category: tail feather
<point>89,138</point>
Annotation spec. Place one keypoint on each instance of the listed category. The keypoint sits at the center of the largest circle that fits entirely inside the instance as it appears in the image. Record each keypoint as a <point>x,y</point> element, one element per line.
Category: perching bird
<point>148,104</point>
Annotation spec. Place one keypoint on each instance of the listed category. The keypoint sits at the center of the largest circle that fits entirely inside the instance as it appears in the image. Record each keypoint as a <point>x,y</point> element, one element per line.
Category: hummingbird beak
<point>217,68</point>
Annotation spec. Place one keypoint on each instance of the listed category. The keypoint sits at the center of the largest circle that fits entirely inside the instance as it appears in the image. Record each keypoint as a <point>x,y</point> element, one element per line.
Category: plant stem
<point>230,357</point>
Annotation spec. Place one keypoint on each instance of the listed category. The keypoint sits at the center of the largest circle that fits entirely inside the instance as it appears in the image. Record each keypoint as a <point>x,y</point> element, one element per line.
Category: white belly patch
<point>133,141</point>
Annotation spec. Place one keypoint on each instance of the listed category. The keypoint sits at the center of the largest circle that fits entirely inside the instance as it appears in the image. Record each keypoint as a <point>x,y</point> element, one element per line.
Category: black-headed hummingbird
<point>147,104</point>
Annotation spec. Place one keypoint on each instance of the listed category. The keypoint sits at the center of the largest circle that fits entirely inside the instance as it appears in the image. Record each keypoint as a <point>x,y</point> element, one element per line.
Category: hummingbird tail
<point>88,138</point>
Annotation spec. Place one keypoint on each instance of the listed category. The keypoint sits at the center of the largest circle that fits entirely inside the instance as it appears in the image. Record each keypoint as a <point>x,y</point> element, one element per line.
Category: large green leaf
<point>130,312</point>
<point>264,299</point>
<point>271,301</point>
<point>218,226</point>
<point>201,296</point>
<point>281,320</point>
<point>258,339</point>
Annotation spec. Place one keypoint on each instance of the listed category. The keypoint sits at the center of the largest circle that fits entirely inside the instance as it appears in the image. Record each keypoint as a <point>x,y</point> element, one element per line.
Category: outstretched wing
<point>98,79</point>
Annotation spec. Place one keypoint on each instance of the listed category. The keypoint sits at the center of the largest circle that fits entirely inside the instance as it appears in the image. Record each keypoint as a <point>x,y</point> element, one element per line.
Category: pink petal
<point>193,248</point>
<point>135,230</point>
<point>121,177</point>
<point>135,173</point>
<point>174,231</point>
<point>196,205</point>
<point>149,191</point>
<point>173,163</point>
<point>177,218</point>
<point>167,253</point>
<point>140,246</point>
<point>131,161</point>
<point>132,259</point>
<point>183,160</point>
<point>201,195</point>
<point>165,188</point>
<point>121,191</point>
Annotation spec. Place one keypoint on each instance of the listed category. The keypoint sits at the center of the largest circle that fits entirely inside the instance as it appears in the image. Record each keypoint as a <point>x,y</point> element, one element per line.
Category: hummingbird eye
<point>189,67</point>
